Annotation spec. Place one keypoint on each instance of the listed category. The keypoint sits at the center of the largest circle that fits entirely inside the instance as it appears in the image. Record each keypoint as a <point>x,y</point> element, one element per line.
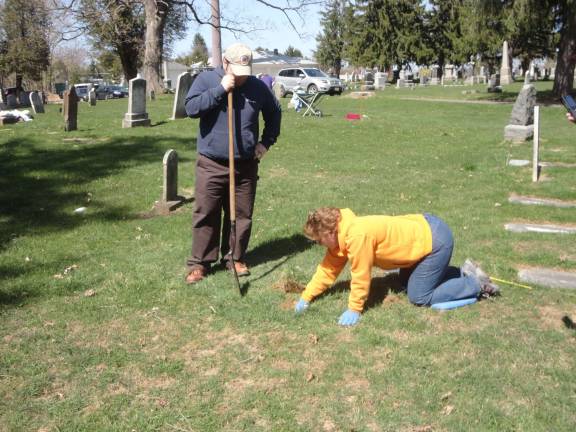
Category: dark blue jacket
<point>208,101</point>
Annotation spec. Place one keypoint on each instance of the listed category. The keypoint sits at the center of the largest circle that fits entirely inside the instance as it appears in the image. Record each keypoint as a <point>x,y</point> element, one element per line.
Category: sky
<point>274,29</point>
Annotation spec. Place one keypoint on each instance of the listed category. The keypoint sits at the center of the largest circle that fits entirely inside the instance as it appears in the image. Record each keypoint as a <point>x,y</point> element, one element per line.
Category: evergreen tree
<point>293,52</point>
<point>330,42</point>
<point>385,32</point>
<point>199,50</point>
<point>443,33</point>
<point>24,50</point>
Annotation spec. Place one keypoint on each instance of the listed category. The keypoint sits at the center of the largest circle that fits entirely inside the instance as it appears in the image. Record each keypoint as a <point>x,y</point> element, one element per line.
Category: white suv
<point>310,79</point>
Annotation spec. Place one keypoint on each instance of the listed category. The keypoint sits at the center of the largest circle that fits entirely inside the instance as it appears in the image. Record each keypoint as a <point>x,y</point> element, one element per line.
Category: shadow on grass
<point>282,249</point>
<point>544,97</point>
<point>568,323</point>
<point>39,185</point>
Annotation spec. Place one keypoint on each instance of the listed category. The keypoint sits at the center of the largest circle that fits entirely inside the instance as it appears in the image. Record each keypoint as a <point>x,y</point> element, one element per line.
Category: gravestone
<point>434,75</point>
<point>183,84</point>
<point>494,84</point>
<point>540,228</point>
<point>277,89</point>
<point>527,78</point>
<point>11,101</point>
<point>380,80</point>
<point>3,105</point>
<point>24,99</point>
<point>505,73</point>
<point>36,103</point>
<point>70,110</point>
<point>92,96</point>
<point>136,115</point>
<point>521,124</point>
<point>152,95</point>
<point>548,278</point>
<point>170,198</point>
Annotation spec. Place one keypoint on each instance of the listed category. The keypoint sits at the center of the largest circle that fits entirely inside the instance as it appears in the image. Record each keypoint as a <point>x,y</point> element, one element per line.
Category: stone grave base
<point>518,133</point>
<point>540,228</point>
<point>518,199</point>
<point>135,120</point>
<point>548,278</point>
<point>164,208</point>
<point>361,94</point>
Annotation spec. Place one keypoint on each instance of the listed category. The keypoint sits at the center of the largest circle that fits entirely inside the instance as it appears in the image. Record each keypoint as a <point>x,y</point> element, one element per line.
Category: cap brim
<point>241,70</point>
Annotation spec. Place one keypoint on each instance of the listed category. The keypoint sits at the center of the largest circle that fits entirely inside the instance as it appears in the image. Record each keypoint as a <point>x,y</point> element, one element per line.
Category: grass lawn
<point>144,352</point>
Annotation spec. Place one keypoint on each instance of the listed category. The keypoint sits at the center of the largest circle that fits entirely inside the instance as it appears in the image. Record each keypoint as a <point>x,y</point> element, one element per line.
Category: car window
<point>284,73</point>
<point>315,73</point>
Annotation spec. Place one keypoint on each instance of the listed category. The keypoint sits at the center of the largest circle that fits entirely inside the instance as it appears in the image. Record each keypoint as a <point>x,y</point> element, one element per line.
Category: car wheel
<point>312,89</point>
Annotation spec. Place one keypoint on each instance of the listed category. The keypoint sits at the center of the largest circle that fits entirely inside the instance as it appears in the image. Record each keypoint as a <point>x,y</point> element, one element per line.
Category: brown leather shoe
<point>196,275</point>
<point>241,268</point>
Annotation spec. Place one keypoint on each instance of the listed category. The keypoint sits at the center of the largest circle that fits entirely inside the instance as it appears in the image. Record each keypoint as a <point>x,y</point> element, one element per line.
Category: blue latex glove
<point>349,318</point>
<point>301,306</point>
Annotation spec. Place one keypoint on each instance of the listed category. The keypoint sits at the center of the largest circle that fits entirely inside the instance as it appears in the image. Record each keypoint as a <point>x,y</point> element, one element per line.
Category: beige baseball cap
<point>240,58</point>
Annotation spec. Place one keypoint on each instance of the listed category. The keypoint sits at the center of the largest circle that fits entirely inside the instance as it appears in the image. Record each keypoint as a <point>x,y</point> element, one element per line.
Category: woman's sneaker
<point>487,287</point>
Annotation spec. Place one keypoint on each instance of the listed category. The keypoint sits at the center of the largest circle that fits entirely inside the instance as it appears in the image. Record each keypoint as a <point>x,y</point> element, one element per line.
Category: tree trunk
<point>216,36</point>
<point>564,75</point>
<point>156,14</point>
<point>337,65</point>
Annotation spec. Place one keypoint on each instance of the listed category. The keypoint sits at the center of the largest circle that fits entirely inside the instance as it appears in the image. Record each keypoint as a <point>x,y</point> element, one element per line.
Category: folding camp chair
<point>310,101</point>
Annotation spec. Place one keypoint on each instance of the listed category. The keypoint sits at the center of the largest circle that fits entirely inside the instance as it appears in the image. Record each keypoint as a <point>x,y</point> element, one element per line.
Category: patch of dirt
<point>556,317</point>
<point>289,285</point>
<point>277,172</point>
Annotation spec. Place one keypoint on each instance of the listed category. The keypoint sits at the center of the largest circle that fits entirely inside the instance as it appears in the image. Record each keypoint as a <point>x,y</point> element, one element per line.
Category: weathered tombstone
<point>527,78</point>
<point>183,84</point>
<point>380,80</point>
<point>36,103</point>
<point>92,96</point>
<point>434,75</point>
<point>2,99</point>
<point>136,115</point>
<point>521,124</point>
<point>369,78</point>
<point>24,99</point>
<point>70,110</point>
<point>170,198</point>
<point>494,84</point>
<point>277,89</point>
<point>548,278</point>
<point>505,74</point>
<point>11,101</point>
<point>152,95</point>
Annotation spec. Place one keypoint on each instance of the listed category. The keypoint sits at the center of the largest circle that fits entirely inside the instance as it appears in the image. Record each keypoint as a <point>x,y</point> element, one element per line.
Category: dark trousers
<point>212,203</point>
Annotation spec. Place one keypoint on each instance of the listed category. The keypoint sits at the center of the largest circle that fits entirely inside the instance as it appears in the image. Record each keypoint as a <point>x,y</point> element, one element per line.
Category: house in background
<point>262,62</point>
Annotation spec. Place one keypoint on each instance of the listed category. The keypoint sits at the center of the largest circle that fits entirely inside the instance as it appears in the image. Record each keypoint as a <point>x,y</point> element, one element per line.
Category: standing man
<point>207,100</point>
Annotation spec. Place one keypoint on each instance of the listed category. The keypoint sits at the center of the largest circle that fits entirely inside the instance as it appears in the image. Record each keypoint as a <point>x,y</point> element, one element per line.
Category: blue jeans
<point>428,282</point>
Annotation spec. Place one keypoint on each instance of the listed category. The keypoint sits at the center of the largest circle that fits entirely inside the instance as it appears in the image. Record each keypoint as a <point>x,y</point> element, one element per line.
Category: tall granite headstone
<point>505,72</point>
<point>70,110</point>
<point>521,124</point>
<point>185,80</point>
<point>136,115</point>
<point>36,103</point>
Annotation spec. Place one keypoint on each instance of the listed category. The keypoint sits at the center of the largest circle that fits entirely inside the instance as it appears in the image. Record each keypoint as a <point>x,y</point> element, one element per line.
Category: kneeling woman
<point>420,245</point>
